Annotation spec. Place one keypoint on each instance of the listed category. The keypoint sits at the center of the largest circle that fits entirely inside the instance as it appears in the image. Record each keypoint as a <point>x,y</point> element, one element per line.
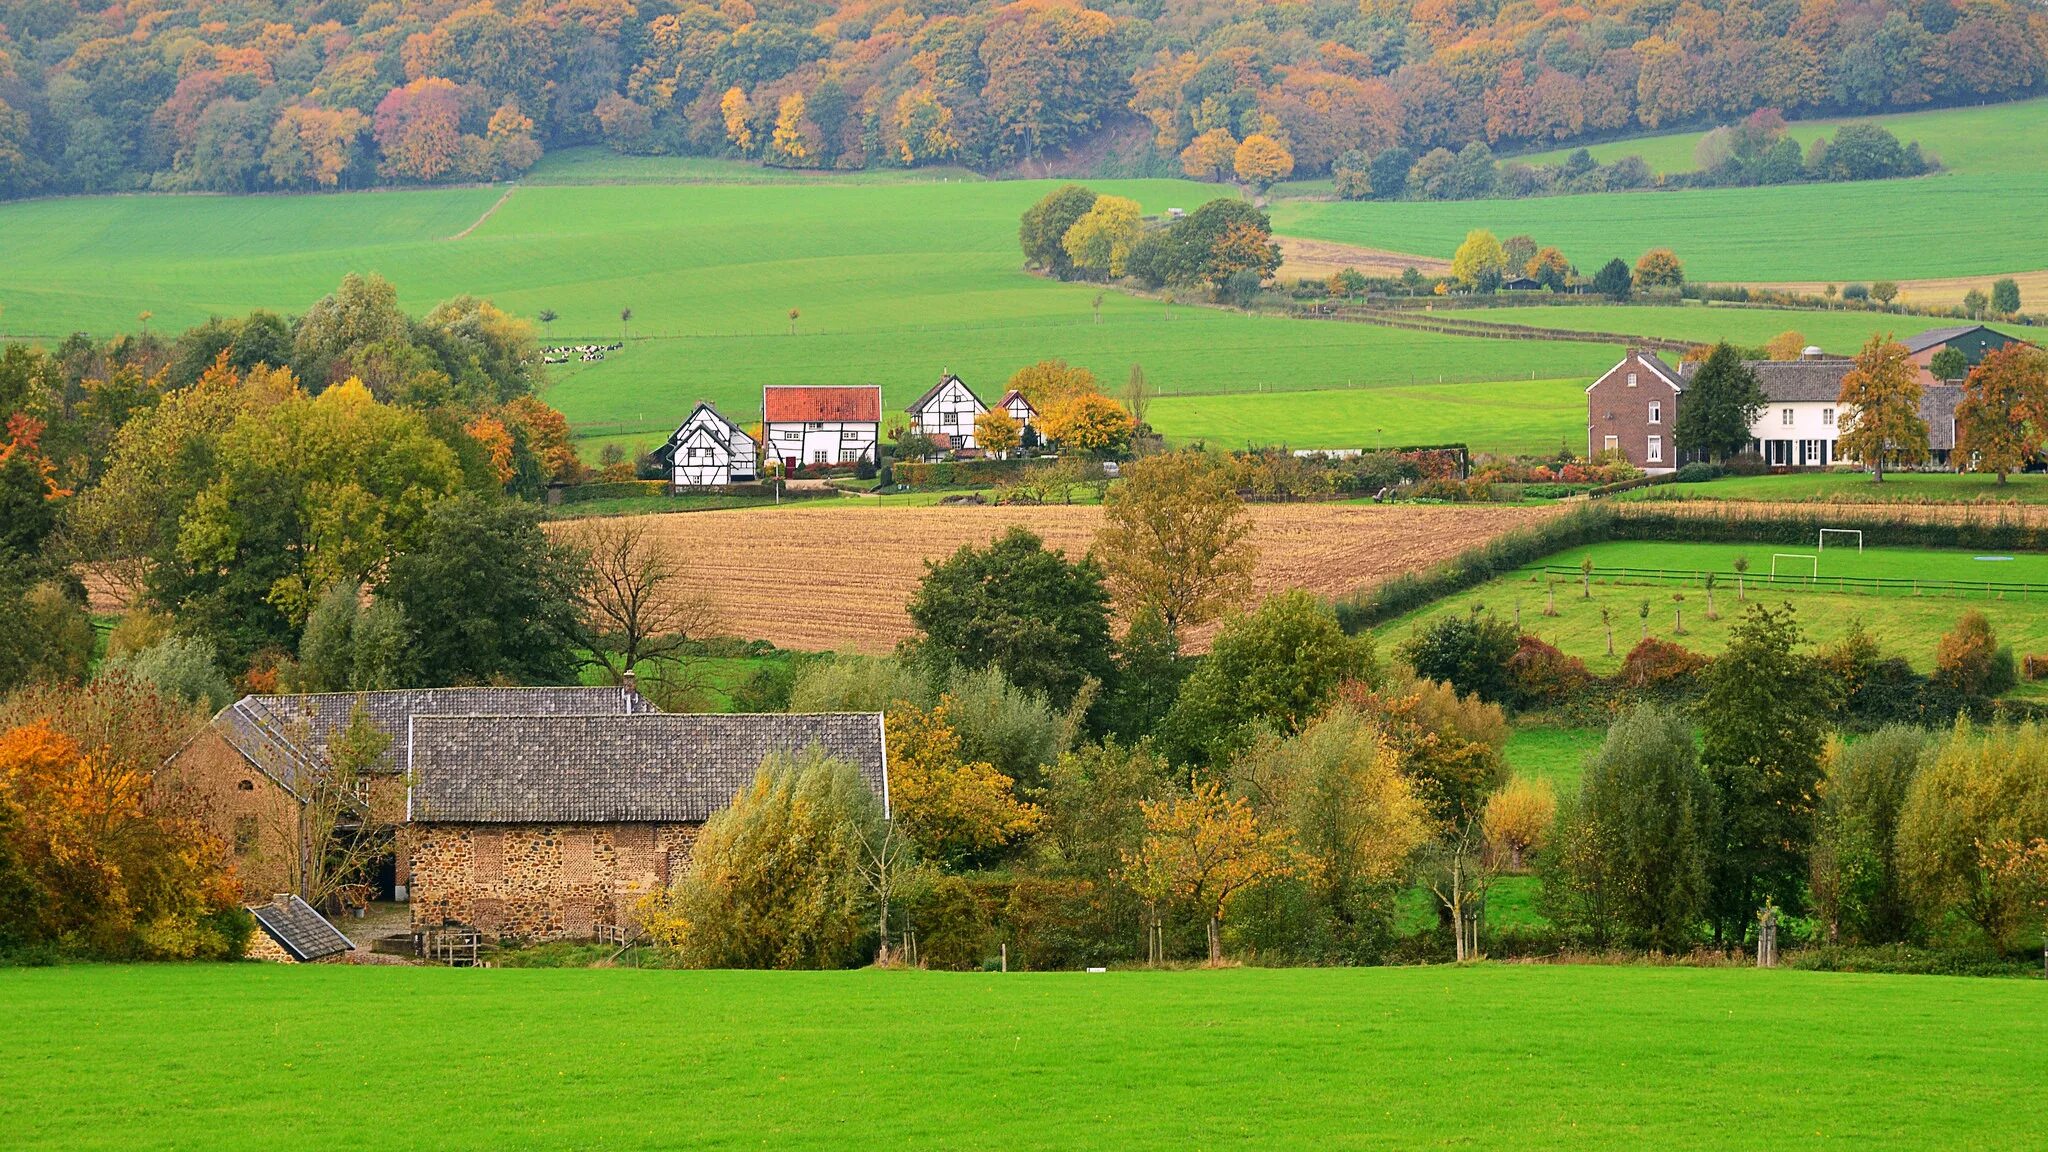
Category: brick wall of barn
<point>540,881</point>
<point>258,820</point>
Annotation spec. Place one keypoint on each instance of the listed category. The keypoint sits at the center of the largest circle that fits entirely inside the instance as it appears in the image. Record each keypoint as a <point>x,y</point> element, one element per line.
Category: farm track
<point>839,578</point>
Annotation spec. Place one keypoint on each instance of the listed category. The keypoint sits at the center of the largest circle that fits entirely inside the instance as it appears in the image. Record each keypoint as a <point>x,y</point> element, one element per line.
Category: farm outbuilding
<point>543,828</point>
<point>291,931</point>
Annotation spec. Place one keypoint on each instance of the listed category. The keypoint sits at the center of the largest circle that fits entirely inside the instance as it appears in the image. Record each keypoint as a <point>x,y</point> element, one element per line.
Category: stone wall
<point>540,881</point>
<point>258,820</point>
<point>262,947</point>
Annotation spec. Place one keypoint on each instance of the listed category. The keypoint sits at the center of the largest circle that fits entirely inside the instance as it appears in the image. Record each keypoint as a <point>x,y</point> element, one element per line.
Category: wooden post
<point>1006,957</point>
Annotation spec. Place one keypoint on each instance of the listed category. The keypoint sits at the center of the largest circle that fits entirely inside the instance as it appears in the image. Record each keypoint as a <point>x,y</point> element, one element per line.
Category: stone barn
<point>251,767</point>
<point>544,828</point>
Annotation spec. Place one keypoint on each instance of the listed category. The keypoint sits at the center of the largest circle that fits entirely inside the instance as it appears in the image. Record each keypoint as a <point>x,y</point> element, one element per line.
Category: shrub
<point>1981,788</point>
<point>181,667</point>
<point>1969,662</point>
<point>1541,674</point>
<point>1660,666</point>
<point>1471,653</point>
<point>1698,472</point>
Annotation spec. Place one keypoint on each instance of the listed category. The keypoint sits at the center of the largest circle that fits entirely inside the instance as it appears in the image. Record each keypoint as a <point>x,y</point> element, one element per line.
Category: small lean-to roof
<point>658,768</point>
<point>793,403</point>
<point>299,930</point>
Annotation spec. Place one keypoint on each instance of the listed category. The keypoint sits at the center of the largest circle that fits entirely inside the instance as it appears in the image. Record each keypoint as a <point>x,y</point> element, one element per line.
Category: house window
<point>1656,412</point>
<point>1656,453</point>
<point>1631,379</point>
<point>815,425</point>
<point>245,835</point>
<point>852,437</point>
<point>821,458</point>
<point>794,436</point>
<point>1827,417</point>
<point>1613,444</point>
<point>1785,417</point>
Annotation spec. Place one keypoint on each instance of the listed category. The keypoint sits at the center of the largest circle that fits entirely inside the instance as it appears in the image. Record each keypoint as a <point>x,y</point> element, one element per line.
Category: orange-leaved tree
<point>1880,401</point>
<point>1205,849</point>
<point>2003,417</point>
<point>996,432</point>
<point>954,811</point>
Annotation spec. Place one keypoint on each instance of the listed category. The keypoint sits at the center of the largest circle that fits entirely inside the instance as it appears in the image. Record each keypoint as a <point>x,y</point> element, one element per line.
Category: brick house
<point>251,765</point>
<point>544,828</point>
<point>1632,409</point>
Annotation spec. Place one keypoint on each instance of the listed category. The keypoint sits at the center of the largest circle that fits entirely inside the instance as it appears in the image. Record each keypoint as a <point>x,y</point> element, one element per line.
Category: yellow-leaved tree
<point>788,144</point>
<point>997,433</point>
<point>1205,849</point>
<point>1102,239</point>
<point>1088,422</point>
<point>1480,260</point>
<point>1880,402</point>
<point>1261,160</point>
<point>1210,156</point>
<point>738,114</point>
<point>1787,345</point>
<point>955,811</point>
<point>1176,540</point>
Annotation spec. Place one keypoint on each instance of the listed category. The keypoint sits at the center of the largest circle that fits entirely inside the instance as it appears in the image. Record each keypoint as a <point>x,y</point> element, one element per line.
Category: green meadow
<point>1971,219</point>
<point>1839,332</point>
<point>1507,1056</point>
<point>1531,417</point>
<point>1905,622</point>
<point>1859,488</point>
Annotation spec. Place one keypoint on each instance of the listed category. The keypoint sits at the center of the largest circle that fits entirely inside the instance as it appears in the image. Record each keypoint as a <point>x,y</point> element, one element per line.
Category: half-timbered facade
<point>803,425</point>
<point>708,450</point>
<point>946,413</point>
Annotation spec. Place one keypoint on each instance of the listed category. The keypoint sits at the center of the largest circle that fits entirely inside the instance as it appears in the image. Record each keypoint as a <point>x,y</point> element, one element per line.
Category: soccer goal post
<point>1812,574</point>
<point>1856,532</point>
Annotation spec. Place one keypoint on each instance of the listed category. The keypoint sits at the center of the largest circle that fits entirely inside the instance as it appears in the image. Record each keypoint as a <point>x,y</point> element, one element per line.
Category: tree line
<point>306,96</point>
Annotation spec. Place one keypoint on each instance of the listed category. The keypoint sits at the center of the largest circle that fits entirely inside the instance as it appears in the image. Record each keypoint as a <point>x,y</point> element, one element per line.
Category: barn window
<point>245,835</point>
<point>246,786</point>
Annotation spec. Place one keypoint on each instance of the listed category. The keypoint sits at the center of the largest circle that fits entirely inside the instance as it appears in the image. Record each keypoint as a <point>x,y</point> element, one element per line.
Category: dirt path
<point>478,222</point>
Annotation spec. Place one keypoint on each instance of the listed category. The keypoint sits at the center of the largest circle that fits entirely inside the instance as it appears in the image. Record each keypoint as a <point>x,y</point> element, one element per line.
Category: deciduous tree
<point>1480,262</point>
<point>1020,607</point>
<point>956,811</point>
<point>1880,402</point>
<point>1203,850</point>
<point>2002,420</point>
<point>1176,540</point>
<point>1718,406</point>
<point>1262,161</point>
<point>1101,240</point>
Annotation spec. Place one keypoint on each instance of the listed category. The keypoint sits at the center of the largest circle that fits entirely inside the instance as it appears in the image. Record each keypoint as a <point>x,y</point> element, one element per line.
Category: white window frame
<point>1631,379</point>
<point>1611,444</point>
<point>1654,454</point>
<point>1785,417</point>
<point>1827,417</point>
<point>1656,412</point>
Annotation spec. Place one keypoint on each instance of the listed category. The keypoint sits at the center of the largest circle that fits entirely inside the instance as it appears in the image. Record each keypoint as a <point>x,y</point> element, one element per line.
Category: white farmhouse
<point>946,414</point>
<point>803,425</point>
<point>1801,418</point>
<point>709,450</point>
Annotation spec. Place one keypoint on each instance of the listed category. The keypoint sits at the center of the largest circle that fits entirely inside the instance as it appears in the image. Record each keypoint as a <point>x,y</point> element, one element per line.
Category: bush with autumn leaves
<point>99,856</point>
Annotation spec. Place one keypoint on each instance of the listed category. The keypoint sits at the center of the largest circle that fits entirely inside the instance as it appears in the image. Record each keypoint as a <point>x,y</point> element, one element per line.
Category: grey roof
<point>1790,381</point>
<point>299,930</point>
<point>1938,407</point>
<point>287,736</point>
<point>659,768</point>
<point>1935,337</point>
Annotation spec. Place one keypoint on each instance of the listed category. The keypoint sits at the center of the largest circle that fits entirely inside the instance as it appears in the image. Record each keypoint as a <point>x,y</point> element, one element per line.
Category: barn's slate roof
<point>287,736</point>
<point>790,403</point>
<point>660,768</point>
<point>299,930</point>
<point>1935,337</point>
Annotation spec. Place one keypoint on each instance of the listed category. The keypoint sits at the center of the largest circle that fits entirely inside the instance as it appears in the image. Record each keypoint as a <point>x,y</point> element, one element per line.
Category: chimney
<point>1812,352</point>
<point>281,899</point>
<point>629,681</point>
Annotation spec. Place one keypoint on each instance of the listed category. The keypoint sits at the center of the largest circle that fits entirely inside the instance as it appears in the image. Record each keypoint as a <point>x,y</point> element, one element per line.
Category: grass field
<point>1857,488</point>
<point>2008,138</point>
<point>1554,754</point>
<point>1501,1056</point>
<point>1841,332</point>
<point>1515,416</point>
<point>1902,623</point>
<point>929,280</point>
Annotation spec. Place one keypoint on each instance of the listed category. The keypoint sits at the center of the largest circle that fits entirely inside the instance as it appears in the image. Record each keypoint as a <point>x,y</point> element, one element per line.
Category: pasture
<point>1858,488</point>
<point>1905,621</point>
<point>1840,332</point>
<point>1532,417</point>
<point>837,578</point>
<point>232,1056</point>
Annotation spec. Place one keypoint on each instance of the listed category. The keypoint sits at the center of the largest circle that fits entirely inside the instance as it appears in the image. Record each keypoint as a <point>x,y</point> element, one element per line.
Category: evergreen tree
<point>1717,407</point>
<point>1614,279</point>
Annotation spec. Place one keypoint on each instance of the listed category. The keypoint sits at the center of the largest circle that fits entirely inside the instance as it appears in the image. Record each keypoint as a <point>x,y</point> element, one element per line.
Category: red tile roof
<point>791,403</point>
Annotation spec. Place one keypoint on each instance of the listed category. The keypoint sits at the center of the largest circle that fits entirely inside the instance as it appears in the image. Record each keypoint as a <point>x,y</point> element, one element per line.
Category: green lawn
<point>1903,624</point>
<point>1493,1056</point>
<point>2009,138</point>
<point>1554,754</point>
<point>1858,488</point>
<point>1515,416</point>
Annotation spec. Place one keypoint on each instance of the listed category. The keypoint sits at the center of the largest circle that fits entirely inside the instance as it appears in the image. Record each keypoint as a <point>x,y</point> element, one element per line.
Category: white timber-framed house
<point>708,450</point>
<point>946,413</point>
<point>1025,415</point>
<point>804,426</point>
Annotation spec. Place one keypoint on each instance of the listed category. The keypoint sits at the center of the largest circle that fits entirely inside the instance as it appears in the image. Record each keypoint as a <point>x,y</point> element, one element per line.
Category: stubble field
<point>838,578</point>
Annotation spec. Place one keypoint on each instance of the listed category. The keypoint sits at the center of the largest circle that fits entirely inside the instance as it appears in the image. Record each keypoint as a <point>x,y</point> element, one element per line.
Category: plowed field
<point>837,578</point>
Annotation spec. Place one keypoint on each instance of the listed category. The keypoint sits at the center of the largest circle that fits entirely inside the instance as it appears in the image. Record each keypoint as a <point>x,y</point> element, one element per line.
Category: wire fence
<point>1802,581</point>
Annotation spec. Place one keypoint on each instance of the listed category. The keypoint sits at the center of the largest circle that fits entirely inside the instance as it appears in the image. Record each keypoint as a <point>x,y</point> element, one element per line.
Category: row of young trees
<point>307,96</point>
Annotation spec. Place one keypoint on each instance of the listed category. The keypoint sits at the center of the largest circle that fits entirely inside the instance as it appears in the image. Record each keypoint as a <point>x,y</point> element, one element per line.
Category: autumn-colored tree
<point>509,144</point>
<point>1787,345</point>
<point>547,436</point>
<point>2002,420</point>
<point>788,144</point>
<point>1050,382</point>
<point>954,811</point>
<point>1549,268</point>
<point>1659,268</point>
<point>1203,850</point>
<point>1102,239</point>
<point>418,128</point>
<point>495,439</point>
<point>1262,160</point>
<point>314,146</point>
<point>1880,402</point>
<point>1243,247</point>
<point>924,127</point>
<point>1480,261</point>
<point>996,432</point>
<point>738,117</point>
<point>1518,818</point>
<point>1088,422</point>
<point>1176,540</point>
<point>1210,156</point>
